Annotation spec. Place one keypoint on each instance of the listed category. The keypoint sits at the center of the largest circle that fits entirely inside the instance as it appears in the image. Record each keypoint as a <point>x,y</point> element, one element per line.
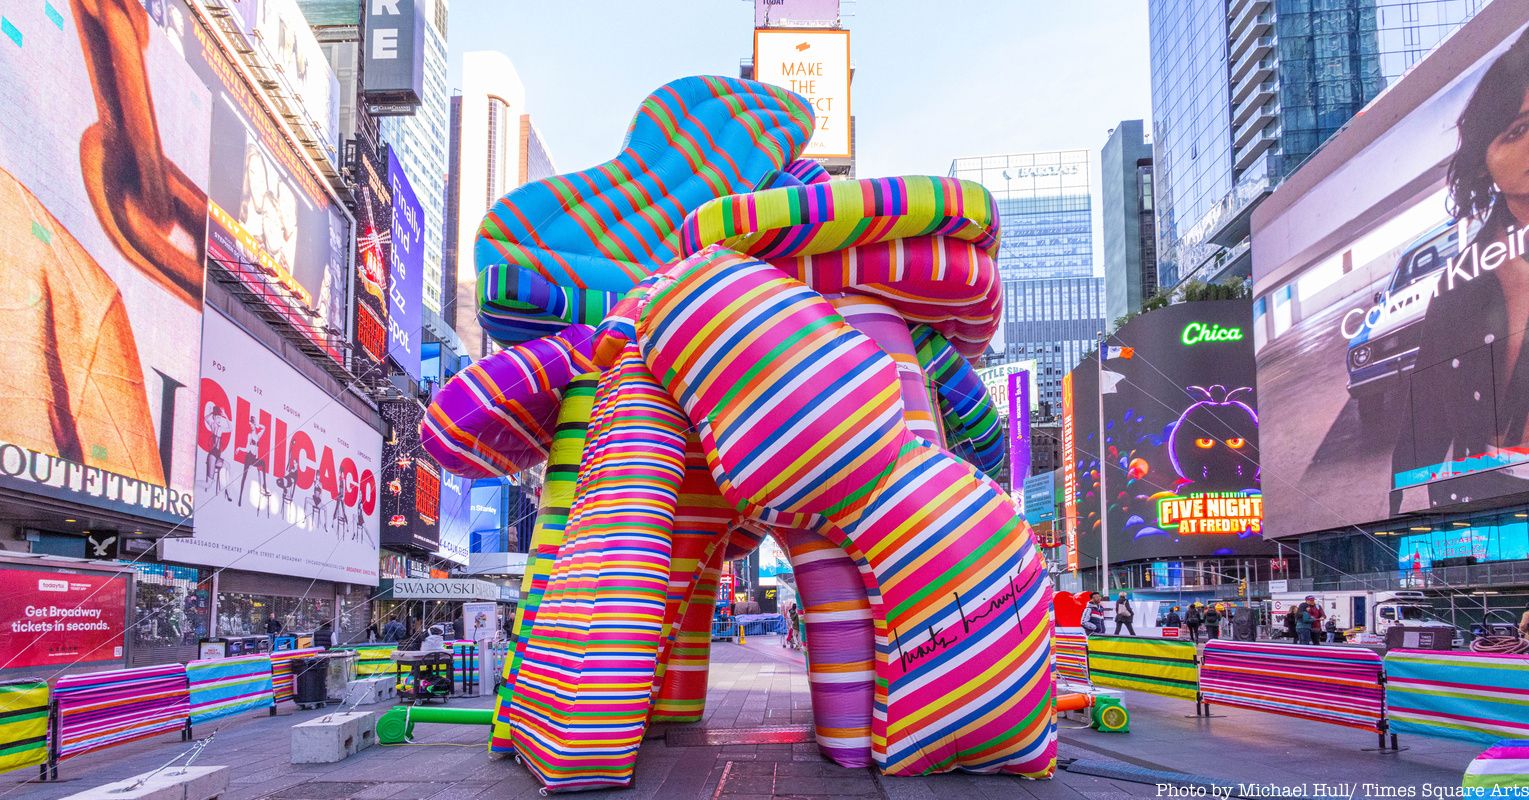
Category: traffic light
<point>1242,589</point>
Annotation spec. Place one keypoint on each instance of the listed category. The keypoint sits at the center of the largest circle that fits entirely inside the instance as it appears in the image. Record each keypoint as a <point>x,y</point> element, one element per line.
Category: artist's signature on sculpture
<point>942,638</point>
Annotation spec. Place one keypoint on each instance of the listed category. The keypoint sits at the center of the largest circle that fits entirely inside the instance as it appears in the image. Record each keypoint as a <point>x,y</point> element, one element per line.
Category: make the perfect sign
<point>1207,333</point>
<point>444,589</point>
<point>815,65</point>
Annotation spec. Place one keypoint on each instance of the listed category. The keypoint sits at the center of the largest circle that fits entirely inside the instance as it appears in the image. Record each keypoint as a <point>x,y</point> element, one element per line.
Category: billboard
<point>815,65</point>
<point>1388,324</point>
<point>288,477</point>
<point>1040,497</point>
<point>1181,438</point>
<point>272,224</point>
<point>796,13</point>
<point>406,279</point>
<point>104,162</point>
<point>411,498</point>
<point>61,619</point>
<point>1020,398</point>
<point>393,71</point>
<point>374,249</point>
<point>996,380</point>
<point>456,523</point>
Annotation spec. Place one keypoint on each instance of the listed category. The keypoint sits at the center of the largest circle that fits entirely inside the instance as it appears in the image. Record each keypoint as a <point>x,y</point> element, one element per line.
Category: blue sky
<point>933,81</point>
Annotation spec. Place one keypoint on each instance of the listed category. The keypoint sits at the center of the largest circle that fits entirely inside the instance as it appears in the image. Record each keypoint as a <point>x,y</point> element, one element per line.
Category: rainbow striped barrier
<point>23,724</point>
<point>1070,652</point>
<point>222,687</point>
<point>464,663</point>
<point>98,710</point>
<point>1147,665</point>
<point>1481,697</point>
<point>372,658</point>
<point>1336,685</point>
<point>1504,765</point>
<point>283,687</point>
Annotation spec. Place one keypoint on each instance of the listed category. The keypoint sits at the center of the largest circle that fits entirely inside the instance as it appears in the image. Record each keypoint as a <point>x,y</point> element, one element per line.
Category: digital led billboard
<point>1389,297</point>
<point>1181,438</point>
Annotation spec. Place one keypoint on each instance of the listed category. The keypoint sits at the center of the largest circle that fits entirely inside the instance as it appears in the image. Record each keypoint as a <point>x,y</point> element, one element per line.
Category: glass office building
<point>1243,91</point>
<point>1053,304</point>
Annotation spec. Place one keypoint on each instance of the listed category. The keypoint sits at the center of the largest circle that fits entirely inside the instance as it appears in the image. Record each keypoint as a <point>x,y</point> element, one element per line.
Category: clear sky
<point>933,80</point>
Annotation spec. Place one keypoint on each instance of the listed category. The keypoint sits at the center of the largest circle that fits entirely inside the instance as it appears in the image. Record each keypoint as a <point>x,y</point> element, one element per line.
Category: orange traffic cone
<point>742,637</point>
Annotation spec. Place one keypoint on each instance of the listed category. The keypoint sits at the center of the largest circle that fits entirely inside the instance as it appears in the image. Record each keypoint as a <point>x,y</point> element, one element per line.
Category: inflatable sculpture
<point>707,342</point>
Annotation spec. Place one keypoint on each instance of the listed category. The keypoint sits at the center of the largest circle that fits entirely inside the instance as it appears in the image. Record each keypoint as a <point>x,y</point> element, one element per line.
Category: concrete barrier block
<point>333,737</point>
<point>175,783</point>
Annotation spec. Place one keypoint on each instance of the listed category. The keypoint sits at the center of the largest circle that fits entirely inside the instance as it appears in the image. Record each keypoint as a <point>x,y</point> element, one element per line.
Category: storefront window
<point>245,614</point>
<point>171,609</point>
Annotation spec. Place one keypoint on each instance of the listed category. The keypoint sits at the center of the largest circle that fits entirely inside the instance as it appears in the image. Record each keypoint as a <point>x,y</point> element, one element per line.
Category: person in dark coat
<point>393,631</point>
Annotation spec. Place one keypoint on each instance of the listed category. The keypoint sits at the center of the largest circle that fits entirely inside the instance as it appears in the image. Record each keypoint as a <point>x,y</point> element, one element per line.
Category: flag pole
<point>1104,495</point>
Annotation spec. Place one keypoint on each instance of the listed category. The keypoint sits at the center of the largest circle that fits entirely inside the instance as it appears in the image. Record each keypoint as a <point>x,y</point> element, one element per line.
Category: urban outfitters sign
<point>444,589</point>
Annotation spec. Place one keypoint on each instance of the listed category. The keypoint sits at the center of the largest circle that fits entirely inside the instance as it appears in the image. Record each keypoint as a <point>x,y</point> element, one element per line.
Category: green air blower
<point>397,725</point>
<point>1110,715</point>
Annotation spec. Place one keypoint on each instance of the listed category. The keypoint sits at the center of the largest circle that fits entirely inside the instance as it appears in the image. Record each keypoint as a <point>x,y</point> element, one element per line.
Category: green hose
<point>397,725</point>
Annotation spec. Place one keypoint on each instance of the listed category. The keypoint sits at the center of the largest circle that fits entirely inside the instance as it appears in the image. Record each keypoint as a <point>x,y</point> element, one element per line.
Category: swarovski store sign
<point>444,589</point>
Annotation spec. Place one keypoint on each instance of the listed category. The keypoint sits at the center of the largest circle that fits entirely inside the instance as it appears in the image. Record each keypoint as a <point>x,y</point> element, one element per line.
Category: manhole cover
<point>710,737</point>
<point>323,790</point>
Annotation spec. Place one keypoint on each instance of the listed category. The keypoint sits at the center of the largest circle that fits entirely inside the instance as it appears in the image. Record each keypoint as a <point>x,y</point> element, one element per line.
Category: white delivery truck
<point>1372,612</point>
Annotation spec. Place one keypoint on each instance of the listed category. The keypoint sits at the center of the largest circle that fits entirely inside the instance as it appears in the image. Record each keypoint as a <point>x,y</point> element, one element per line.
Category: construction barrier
<point>103,709</point>
<point>1070,654</point>
<point>1149,665</point>
<point>373,658</point>
<point>23,723</point>
<point>1336,685</point>
<point>222,687</point>
<point>1480,697</point>
<point>283,687</point>
<point>1504,765</point>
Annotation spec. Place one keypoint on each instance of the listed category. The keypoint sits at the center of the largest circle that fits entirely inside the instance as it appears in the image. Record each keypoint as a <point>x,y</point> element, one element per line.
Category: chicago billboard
<point>288,477</point>
<point>815,65</point>
<point>1180,442</point>
<point>1389,277</point>
<point>104,164</point>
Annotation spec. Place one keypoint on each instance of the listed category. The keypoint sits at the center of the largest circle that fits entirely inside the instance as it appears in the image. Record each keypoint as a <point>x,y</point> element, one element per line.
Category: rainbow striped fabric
<point>681,695</point>
<point>222,687</point>
<point>972,426</point>
<point>23,723</point>
<point>841,636</point>
<point>1071,648</point>
<point>1337,685</point>
<point>464,661</point>
<point>97,710</point>
<point>498,416</point>
<point>568,442</point>
<point>373,658</point>
<point>563,250</point>
<point>1480,697</point>
<point>1156,666</point>
<point>1503,765</point>
<point>803,422</point>
<point>585,683</point>
<point>283,685</point>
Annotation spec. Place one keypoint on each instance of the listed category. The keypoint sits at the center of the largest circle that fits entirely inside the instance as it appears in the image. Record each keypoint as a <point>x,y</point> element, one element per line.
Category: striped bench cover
<point>222,687</point>
<point>1481,697</point>
<point>1337,685</point>
<point>102,709</point>
<point>1504,765</point>
<point>23,723</point>
<point>1071,654</point>
<point>282,684</point>
<point>1149,665</point>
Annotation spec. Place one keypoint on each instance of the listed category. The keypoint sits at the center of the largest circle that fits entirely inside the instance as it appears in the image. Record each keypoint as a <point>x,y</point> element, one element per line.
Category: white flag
<point>1108,381</point>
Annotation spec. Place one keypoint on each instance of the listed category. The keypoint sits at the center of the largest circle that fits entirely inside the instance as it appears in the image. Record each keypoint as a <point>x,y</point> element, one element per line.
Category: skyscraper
<point>1130,239</point>
<point>1053,303</point>
<point>419,142</point>
<point>486,161</point>
<point>1244,90</point>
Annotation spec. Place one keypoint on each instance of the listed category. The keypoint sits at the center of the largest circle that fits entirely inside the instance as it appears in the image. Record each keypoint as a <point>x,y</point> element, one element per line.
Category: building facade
<point>1243,91</point>
<point>1130,238</point>
<point>1053,303</point>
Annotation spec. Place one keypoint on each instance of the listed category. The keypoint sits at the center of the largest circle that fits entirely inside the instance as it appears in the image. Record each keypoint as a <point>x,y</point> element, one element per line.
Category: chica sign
<point>1208,333</point>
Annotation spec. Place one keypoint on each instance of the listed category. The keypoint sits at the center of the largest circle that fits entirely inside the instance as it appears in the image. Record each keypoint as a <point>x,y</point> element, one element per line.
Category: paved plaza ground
<point>758,694</point>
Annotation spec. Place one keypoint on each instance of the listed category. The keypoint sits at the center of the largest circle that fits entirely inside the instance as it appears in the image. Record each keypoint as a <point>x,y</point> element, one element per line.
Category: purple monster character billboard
<point>1180,440</point>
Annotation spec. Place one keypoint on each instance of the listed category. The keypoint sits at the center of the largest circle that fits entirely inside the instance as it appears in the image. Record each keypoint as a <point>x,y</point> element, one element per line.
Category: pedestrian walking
<point>1304,624</point>
<point>273,625</point>
<point>1318,618</point>
<point>1331,629</point>
<point>1173,620</point>
<point>1124,614</point>
<point>1212,622</point>
<point>393,631</point>
<point>1290,624</point>
<point>1193,618</point>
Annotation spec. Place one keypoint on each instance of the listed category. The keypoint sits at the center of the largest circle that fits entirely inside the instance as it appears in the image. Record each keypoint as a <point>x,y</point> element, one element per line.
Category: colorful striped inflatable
<point>972,426</point>
<point>103,709</point>
<point>1155,666</point>
<point>1504,765</point>
<point>1481,697</point>
<point>1337,685</point>
<point>222,687</point>
<point>585,683</point>
<point>562,250</point>
<point>23,724</point>
<point>1071,647</point>
<point>283,685</point>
